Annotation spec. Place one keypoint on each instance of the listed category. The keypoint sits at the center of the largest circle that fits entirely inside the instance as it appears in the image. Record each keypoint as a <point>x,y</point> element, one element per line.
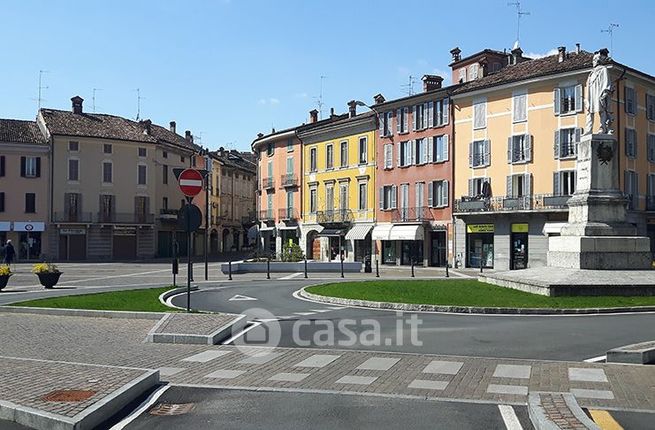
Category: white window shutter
<point>400,151</point>
<point>445,147</point>
<point>425,116</point>
<point>578,98</point>
<point>386,155</point>
<point>445,111</point>
<point>430,149</point>
<point>509,186</point>
<point>430,114</point>
<point>381,196</point>
<point>487,152</point>
<point>556,190</point>
<point>381,119</point>
<point>414,118</point>
<point>527,184</point>
<point>471,191</point>
<point>444,193</point>
<point>470,154</point>
<point>578,136</point>
<point>430,194</point>
<point>424,146</point>
<point>509,149</point>
<point>398,120</point>
<point>556,150</point>
<point>394,191</point>
<point>556,101</point>
<point>528,147</point>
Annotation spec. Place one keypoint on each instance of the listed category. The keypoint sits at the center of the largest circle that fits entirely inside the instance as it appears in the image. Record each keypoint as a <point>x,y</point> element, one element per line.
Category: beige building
<point>24,172</point>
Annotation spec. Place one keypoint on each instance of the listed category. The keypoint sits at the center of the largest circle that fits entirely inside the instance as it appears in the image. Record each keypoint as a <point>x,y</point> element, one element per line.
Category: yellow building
<point>339,187</point>
<point>517,125</point>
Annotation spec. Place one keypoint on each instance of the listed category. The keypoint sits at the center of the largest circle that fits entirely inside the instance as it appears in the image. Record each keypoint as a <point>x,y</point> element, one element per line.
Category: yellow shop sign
<point>520,228</point>
<point>480,228</point>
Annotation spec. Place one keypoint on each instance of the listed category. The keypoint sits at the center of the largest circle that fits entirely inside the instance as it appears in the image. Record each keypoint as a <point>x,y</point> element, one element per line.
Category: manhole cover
<point>68,396</point>
<point>169,409</point>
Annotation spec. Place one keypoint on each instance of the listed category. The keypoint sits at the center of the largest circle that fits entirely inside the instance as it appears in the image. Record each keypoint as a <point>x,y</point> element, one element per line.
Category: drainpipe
<point>301,182</point>
<point>451,142</point>
<point>618,122</point>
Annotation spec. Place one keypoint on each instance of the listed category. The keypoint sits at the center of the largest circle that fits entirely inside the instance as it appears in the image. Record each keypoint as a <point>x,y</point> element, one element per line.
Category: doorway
<point>519,255</point>
<point>438,249</point>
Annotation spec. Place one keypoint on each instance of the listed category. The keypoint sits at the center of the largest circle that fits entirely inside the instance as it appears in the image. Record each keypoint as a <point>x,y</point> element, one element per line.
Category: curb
<point>82,312</point>
<point>89,418</point>
<point>637,353</point>
<point>542,421</point>
<point>466,309</point>
<point>223,332</point>
<point>163,297</point>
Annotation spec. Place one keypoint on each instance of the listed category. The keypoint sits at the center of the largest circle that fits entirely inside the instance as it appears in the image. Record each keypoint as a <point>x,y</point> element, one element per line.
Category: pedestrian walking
<point>10,253</point>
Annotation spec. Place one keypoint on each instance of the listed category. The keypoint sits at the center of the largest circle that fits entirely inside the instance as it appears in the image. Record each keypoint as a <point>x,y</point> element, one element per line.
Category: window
<point>290,144</point>
<point>388,197</point>
<point>289,165</point>
<point>420,116</point>
<point>312,200</point>
<point>462,75</point>
<point>343,158</point>
<point>439,148</point>
<point>421,151</point>
<point>73,169</point>
<point>362,196</point>
<point>566,142</point>
<point>164,173</point>
<point>329,197</point>
<point>2,201</point>
<point>269,169</point>
<point>73,146</point>
<point>141,174</point>
<point>631,188</point>
<point>107,172</point>
<point>142,152</point>
<point>651,148</point>
<point>477,187</point>
<point>329,157</point>
<point>363,150</point>
<point>630,104</point>
<point>388,156</point>
<point>312,160</point>
<point>164,154</point>
<point>519,185</point>
<point>564,182</point>
<point>402,118</point>
<point>30,167</point>
<point>480,153</point>
<point>520,106</point>
<point>2,165</point>
<point>164,203</point>
<point>420,192</point>
<point>567,99</point>
<point>30,203</point>
<point>630,142</point>
<point>385,123</point>
<point>438,194</point>
<point>405,153</point>
<point>343,196</point>
<point>473,71</point>
<point>289,204</point>
<point>480,113</point>
<point>519,148</point>
<point>182,158</point>
<point>106,148</point>
<point>650,107</point>
<point>440,113</point>
<point>270,148</point>
<point>141,207</point>
<point>106,207</point>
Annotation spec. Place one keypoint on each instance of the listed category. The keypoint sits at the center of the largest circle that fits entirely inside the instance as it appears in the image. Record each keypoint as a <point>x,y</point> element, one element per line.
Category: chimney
<point>221,150</point>
<point>352,108</point>
<point>332,115</point>
<point>188,136</point>
<point>378,99</point>
<point>431,82</point>
<point>260,135</point>
<point>577,48</point>
<point>604,54</point>
<point>147,126</point>
<point>172,126</point>
<point>517,55</point>
<point>77,104</point>
<point>313,116</point>
<point>456,53</point>
<point>561,54</point>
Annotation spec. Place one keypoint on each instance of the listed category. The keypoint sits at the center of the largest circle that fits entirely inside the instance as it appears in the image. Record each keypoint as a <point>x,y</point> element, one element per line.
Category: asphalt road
<point>231,409</point>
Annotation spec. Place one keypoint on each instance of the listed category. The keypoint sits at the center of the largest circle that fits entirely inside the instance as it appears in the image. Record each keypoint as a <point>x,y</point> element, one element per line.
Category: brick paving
<point>200,324</point>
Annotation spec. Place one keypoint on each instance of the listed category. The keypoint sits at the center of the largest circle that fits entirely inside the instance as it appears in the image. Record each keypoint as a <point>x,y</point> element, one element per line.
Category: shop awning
<point>5,226</point>
<point>288,227</point>
<point>359,231</point>
<point>406,232</point>
<point>266,228</point>
<point>553,227</point>
<point>331,232</point>
<point>381,232</point>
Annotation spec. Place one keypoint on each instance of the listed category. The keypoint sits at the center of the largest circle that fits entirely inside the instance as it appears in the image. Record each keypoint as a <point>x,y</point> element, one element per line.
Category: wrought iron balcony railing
<point>73,217</point>
<point>266,215</point>
<point>289,180</point>
<point>125,218</point>
<point>334,216</point>
<point>288,214</point>
<point>417,214</point>
<point>268,183</point>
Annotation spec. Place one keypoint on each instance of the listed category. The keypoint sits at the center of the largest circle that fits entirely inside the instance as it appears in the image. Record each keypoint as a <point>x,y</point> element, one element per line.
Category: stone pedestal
<point>597,235</point>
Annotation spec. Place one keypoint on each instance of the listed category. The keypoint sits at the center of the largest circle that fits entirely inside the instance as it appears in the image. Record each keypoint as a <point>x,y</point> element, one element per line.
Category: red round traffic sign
<point>190,182</point>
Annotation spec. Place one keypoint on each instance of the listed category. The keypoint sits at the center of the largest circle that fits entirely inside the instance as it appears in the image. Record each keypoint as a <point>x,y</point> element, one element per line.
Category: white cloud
<point>273,101</point>
<point>536,55</point>
<point>302,95</point>
<point>268,101</point>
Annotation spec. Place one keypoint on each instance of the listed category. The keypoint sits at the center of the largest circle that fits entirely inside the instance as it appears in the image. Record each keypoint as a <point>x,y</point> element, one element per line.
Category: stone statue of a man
<point>599,94</point>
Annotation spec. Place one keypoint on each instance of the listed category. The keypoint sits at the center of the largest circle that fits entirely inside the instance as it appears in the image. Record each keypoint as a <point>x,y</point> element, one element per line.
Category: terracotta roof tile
<point>19,131</point>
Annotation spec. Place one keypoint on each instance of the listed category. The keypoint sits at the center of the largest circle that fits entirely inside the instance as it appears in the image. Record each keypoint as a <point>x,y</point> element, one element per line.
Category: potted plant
<point>48,274</point>
<point>5,273</point>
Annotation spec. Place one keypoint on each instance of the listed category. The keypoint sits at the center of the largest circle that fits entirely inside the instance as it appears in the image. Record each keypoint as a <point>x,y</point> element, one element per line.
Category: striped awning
<point>359,231</point>
<point>381,232</point>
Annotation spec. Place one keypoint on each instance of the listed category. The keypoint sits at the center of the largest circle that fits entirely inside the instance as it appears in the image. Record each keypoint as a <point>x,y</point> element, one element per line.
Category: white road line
<point>291,276</point>
<point>598,359</point>
<point>304,314</point>
<point>320,310</point>
<point>509,417</point>
<point>242,332</point>
<point>142,408</point>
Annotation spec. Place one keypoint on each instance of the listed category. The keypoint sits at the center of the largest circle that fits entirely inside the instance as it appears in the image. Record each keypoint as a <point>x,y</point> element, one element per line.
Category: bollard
<point>229,270</point>
<point>447,275</point>
<point>480,263</point>
<point>305,268</point>
<point>377,268</point>
<point>268,268</point>
<point>412,267</point>
<point>342,266</point>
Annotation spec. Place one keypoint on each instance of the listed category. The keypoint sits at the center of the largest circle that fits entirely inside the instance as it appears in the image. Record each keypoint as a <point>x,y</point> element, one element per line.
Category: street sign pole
<point>188,257</point>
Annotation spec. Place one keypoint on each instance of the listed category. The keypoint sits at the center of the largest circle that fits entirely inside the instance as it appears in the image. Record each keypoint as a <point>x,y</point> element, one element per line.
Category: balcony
<point>73,217</point>
<point>125,218</point>
<point>268,183</point>
<point>418,214</point>
<point>288,214</point>
<point>266,215</point>
<point>536,202</point>
<point>289,180</point>
<point>337,216</point>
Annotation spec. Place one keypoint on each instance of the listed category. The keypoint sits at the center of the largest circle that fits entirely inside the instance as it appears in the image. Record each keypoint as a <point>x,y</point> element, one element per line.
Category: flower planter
<point>49,280</point>
<point>3,280</point>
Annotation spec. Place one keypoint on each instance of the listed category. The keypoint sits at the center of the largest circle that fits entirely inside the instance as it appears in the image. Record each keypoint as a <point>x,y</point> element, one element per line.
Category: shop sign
<point>124,231</point>
<point>29,226</point>
<point>5,226</point>
<point>480,228</point>
<point>520,228</point>
<point>72,231</point>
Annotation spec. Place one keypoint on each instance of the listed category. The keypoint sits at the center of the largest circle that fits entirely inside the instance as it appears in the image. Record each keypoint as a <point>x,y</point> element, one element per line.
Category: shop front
<point>360,237</point>
<point>519,246</point>
<point>480,245</point>
<point>402,244</point>
<point>124,243</point>
<point>72,243</point>
<point>5,227</point>
<point>438,248</point>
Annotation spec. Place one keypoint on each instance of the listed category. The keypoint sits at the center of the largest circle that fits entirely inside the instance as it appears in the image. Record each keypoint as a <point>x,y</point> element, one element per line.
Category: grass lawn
<point>466,293</point>
<point>146,300</point>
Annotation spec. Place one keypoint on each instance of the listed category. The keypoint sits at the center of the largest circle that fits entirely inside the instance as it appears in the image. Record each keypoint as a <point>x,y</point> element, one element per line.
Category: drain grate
<point>68,396</point>
<point>169,409</point>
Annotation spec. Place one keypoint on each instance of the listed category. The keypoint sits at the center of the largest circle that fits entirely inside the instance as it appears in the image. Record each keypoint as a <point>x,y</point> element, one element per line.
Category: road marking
<point>509,417</point>
<point>320,311</point>
<point>141,409</point>
<point>599,359</point>
<point>291,276</point>
<point>604,420</point>
<point>304,314</point>
<point>240,297</point>
<point>242,332</point>
<point>205,356</point>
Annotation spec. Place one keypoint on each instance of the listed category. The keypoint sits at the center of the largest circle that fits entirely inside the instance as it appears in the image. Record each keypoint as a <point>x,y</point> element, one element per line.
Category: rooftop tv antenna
<point>610,31</point>
<point>93,99</point>
<point>409,86</point>
<point>319,99</point>
<point>41,88</point>
<point>519,13</point>
<point>138,103</point>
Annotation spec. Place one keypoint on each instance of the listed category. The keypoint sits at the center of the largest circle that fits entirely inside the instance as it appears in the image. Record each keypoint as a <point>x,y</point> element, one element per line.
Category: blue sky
<point>228,69</point>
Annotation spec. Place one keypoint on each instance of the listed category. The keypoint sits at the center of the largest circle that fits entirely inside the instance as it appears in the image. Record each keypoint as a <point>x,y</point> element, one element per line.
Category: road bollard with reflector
<point>229,270</point>
<point>305,268</point>
<point>268,268</point>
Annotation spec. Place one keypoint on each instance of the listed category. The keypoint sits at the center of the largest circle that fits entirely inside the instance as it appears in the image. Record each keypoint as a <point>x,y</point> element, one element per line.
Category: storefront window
<point>30,246</point>
<point>480,245</point>
<point>388,252</point>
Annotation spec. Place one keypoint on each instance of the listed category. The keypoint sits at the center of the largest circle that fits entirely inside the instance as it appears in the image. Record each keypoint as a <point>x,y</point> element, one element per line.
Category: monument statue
<point>599,94</point>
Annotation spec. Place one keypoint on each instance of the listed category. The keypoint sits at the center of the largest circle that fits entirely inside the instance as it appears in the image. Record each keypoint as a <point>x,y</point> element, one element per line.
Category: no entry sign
<point>190,182</point>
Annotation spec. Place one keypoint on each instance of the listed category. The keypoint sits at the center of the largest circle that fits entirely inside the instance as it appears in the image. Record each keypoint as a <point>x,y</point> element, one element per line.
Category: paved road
<point>541,337</point>
<point>228,409</point>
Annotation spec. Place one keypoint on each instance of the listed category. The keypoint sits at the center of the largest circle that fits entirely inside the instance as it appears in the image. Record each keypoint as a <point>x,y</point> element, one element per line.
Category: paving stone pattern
<point>201,324</point>
<point>558,412</point>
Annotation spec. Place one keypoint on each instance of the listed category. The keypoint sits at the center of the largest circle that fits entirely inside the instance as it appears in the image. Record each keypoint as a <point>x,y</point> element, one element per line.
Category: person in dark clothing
<point>10,253</point>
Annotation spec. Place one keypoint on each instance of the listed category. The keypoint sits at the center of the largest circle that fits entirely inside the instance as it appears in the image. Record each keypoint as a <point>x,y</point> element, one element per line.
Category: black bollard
<point>229,270</point>
<point>480,262</point>
<point>447,275</point>
<point>412,267</point>
<point>268,268</point>
<point>305,268</point>
<point>342,266</point>
<point>377,268</point>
